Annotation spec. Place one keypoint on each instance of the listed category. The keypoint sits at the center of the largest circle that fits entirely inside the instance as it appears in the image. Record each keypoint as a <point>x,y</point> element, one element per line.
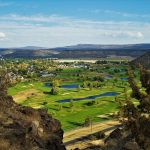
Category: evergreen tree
<point>90,86</point>
<point>138,117</point>
<point>78,88</point>
<point>71,103</point>
<point>54,90</point>
<point>87,122</point>
<point>85,84</point>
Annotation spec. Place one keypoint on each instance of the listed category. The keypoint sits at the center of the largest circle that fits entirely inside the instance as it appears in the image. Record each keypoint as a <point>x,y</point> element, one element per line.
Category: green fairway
<point>71,115</point>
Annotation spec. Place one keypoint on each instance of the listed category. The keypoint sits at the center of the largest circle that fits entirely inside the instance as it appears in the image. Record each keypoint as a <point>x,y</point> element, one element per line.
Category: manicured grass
<point>72,117</point>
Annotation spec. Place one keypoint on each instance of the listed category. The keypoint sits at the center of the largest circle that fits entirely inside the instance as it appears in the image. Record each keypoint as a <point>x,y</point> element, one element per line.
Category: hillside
<point>144,60</point>
<point>77,51</point>
<point>106,47</point>
<point>24,128</point>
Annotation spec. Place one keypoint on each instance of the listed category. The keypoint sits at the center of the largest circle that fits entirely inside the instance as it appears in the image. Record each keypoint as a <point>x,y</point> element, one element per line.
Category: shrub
<point>87,122</point>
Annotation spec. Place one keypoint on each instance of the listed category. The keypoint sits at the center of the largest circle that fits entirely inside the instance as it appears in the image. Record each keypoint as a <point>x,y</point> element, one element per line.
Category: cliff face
<point>23,128</point>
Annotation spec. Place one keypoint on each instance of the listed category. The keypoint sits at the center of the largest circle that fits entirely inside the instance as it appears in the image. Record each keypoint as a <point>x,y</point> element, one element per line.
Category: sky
<point>56,23</point>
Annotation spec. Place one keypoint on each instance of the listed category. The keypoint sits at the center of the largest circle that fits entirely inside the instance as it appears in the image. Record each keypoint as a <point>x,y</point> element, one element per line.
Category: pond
<point>108,76</point>
<point>124,79</point>
<point>93,97</point>
<point>69,86</point>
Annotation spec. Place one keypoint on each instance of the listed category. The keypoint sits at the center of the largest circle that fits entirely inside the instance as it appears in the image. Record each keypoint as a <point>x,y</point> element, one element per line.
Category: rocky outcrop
<point>24,128</point>
<point>120,139</point>
<point>143,60</point>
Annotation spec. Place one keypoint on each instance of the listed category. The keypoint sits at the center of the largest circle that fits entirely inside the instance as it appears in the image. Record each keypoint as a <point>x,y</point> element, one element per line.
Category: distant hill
<point>25,48</point>
<point>29,53</point>
<point>77,51</point>
<point>105,47</point>
<point>144,60</point>
<point>31,48</point>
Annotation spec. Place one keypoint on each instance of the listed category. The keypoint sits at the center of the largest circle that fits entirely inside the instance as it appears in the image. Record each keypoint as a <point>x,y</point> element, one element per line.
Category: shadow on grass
<point>56,109</point>
<point>77,124</point>
<point>46,92</point>
<point>65,106</point>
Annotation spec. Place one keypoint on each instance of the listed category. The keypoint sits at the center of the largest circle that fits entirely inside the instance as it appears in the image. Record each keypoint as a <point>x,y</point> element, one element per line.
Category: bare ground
<point>19,97</point>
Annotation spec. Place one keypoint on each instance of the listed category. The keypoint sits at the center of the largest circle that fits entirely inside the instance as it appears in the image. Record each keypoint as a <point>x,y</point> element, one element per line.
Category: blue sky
<point>53,23</point>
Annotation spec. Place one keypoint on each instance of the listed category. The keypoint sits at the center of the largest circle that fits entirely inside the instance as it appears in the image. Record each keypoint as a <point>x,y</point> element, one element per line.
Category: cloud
<point>123,34</point>
<point>2,35</point>
<point>54,30</point>
<point>56,20</point>
<point>36,18</point>
<point>118,13</point>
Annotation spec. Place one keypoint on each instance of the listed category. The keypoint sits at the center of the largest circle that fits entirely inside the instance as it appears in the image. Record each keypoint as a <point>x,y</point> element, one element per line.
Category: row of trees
<point>55,84</point>
<point>138,117</point>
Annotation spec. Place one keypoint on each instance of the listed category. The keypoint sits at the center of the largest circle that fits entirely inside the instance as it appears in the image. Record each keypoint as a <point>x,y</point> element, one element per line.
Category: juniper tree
<point>138,117</point>
<point>4,82</point>
<point>71,103</point>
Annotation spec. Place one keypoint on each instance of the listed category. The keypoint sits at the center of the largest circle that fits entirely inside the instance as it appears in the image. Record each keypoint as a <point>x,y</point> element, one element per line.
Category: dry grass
<point>23,95</point>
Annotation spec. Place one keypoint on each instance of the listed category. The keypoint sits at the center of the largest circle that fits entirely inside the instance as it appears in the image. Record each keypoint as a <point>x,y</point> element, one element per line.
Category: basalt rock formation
<point>24,128</point>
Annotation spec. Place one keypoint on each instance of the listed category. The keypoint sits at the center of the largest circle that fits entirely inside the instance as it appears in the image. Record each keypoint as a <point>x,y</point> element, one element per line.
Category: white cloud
<point>2,35</point>
<point>36,18</point>
<point>54,30</point>
<point>123,34</point>
<point>119,13</point>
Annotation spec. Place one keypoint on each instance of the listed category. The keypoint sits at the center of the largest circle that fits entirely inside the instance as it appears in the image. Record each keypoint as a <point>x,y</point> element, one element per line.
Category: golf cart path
<point>77,134</point>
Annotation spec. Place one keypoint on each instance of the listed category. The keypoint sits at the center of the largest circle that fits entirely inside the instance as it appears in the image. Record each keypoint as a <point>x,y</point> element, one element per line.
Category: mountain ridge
<point>77,51</point>
<point>85,46</point>
<point>104,46</point>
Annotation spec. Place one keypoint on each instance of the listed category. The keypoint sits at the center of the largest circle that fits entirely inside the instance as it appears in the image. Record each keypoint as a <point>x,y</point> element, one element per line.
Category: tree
<point>4,82</point>
<point>85,84</point>
<point>87,122</point>
<point>95,84</point>
<point>78,88</point>
<point>55,83</point>
<point>117,100</point>
<point>135,89</point>
<point>145,78</point>
<point>71,103</point>
<point>138,117</point>
<point>60,107</point>
<point>91,86</point>
<point>55,87</point>
<point>54,90</point>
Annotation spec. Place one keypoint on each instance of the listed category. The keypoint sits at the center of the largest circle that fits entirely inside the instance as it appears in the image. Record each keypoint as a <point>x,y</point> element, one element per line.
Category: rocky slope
<point>144,60</point>
<point>23,128</point>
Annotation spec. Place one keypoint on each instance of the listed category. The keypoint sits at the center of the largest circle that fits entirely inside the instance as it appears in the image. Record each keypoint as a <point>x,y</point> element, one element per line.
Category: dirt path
<point>76,136</point>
